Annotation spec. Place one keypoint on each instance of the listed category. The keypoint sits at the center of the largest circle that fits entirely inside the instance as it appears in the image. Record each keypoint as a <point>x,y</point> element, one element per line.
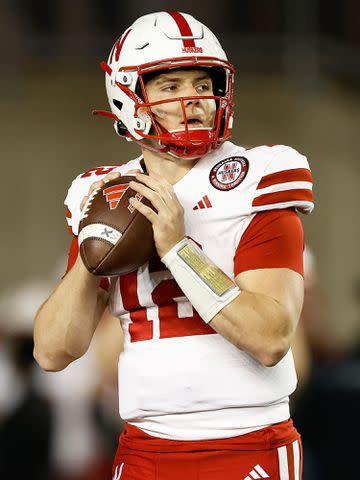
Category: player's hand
<point>167,217</point>
<point>101,183</point>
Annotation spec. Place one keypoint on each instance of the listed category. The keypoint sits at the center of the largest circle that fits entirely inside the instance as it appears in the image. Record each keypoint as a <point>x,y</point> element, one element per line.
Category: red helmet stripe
<point>118,50</point>
<point>118,46</point>
<point>112,52</point>
<point>106,68</point>
<point>184,28</point>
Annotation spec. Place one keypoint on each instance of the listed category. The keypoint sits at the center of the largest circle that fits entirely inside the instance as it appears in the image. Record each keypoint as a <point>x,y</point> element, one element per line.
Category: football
<point>114,238</point>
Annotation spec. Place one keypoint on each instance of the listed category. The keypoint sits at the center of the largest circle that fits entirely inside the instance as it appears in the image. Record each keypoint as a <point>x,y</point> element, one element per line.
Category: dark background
<point>297,83</point>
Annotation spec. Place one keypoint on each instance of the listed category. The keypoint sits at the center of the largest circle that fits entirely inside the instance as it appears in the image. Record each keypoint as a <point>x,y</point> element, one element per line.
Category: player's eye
<point>203,87</point>
<point>169,88</point>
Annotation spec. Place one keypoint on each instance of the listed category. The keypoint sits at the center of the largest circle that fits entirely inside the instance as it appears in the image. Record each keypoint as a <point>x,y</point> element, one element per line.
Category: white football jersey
<point>178,378</point>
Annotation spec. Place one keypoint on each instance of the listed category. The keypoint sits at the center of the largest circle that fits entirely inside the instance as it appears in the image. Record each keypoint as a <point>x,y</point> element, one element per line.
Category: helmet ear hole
<point>138,90</point>
<point>218,78</point>
<point>120,128</point>
<point>118,104</point>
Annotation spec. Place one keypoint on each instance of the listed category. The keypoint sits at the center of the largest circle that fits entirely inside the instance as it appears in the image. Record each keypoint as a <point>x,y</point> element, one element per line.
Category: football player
<point>207,369</point>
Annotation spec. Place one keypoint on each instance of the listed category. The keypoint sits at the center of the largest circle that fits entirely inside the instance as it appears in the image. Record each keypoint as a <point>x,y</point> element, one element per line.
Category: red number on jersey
<point>97,171</point>
<point>161,315</point>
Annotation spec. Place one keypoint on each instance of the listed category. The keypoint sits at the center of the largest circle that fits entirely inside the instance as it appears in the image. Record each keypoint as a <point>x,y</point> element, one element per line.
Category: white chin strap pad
<point>205,285</point>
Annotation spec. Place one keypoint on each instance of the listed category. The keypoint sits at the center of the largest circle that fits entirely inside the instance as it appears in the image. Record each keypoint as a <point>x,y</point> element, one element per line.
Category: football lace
<point>88,203</point>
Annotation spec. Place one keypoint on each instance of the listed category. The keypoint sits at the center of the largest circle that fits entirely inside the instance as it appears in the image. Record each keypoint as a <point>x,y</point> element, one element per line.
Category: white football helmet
<point>154,43</point>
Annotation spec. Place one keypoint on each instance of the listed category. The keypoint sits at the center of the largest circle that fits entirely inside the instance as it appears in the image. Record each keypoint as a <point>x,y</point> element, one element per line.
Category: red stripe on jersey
<point>296,195</point>
<point>273,239</point>
<point>68,213</point>
<point>290,457</point>
<point>294,175</point>
<point>201,204</point>
<point>207,201</point>
<point>184,28</point>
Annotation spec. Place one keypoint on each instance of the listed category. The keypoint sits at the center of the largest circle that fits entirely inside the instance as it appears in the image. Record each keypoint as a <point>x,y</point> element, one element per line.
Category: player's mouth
<point>194,122</point>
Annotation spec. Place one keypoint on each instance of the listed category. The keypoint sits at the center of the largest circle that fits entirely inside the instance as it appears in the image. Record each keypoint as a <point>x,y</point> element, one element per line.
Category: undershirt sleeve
<point>273,239</point>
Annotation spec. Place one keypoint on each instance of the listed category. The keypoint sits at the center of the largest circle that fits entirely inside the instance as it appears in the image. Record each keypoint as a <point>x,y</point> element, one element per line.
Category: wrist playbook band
<point>206,286</point>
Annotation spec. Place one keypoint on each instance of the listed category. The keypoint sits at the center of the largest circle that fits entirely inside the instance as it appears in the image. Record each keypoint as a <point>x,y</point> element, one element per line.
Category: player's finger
<point>101,183</point>
<point>154,197</point>
<point>144,209</point>
<point>111,176</point>
<point>133,171</point>
<point>83,201</point>
<point>159,185</point>
<point>95,185</point>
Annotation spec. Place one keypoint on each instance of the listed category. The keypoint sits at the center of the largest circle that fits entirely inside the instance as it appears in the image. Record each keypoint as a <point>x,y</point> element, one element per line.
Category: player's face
<point>200,112</point>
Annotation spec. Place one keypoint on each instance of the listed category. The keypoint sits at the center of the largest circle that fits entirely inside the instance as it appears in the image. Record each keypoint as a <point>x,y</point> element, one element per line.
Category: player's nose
<point>190,91</point>
<point>194,98</point>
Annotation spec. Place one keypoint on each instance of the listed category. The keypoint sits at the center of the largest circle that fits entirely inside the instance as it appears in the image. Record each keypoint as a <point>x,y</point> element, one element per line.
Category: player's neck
<point>172,169</point>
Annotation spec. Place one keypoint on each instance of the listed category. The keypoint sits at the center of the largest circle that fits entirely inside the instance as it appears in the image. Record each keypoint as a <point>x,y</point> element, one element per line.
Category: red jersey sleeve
<point>273,239</point>
<point>72,256</point>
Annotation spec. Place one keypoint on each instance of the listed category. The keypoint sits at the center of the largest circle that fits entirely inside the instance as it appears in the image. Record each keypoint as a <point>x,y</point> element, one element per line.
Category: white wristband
<point>206,286</point>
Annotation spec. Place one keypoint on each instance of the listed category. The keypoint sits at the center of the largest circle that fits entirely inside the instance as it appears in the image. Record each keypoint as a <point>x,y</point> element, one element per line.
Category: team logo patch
<point>229,173</point>
<point>114,194</point>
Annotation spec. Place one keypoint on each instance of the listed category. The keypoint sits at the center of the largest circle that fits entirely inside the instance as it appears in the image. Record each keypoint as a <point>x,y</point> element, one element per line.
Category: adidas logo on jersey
<point>203,203</point>
<point>256,473</point>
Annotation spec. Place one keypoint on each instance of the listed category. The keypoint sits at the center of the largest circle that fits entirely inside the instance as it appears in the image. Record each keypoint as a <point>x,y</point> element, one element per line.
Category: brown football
<point>114,238</point>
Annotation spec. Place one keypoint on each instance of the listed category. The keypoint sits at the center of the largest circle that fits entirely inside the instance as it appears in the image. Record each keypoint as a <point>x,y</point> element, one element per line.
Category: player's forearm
<point>66,322</point>
<point>258,325</point>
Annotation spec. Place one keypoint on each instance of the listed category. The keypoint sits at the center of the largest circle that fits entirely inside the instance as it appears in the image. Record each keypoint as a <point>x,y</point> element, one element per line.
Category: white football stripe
<point>283,463</point>
<point>101,231</point>
<point>296,451</point>
<point>262,472</point>
<point>280,187</point>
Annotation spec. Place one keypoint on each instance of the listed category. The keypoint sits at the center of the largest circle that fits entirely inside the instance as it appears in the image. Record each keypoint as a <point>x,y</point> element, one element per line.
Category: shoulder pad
<point>285,181</point>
